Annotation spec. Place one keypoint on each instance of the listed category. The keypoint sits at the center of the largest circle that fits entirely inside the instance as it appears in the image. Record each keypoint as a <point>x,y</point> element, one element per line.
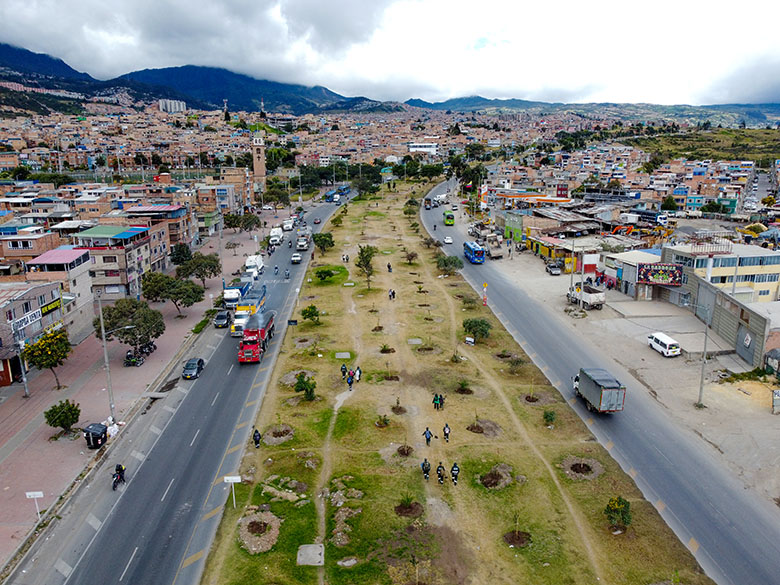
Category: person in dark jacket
<point>343,371</point>
<point>256,437</point>
<point>427,434</point>
<point>454,473</point>
<point>426,468</point>
<point>441,473</point>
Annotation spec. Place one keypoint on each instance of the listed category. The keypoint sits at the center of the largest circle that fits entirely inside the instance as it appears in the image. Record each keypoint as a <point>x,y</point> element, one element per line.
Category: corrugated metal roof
<point>152,208</point>
<point>103,231</point>
<point>58,256</point>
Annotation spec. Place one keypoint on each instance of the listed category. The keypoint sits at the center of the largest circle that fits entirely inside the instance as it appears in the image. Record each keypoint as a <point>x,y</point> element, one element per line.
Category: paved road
<point>734,534</point>
<point>157,529</point>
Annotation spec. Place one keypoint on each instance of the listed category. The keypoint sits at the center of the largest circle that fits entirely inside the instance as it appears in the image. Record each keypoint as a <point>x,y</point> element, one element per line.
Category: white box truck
<point>276,236</point>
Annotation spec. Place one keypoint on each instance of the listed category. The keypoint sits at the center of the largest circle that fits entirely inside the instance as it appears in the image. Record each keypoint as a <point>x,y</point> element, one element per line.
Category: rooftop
<point>58,256</point>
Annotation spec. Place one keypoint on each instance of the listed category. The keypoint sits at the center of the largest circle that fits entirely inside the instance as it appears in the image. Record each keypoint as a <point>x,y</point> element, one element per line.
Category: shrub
<point>618,512</point>
<point>549,417</point>
<point>306,385</point>
<point>64,415</point>
<point>477,328</point>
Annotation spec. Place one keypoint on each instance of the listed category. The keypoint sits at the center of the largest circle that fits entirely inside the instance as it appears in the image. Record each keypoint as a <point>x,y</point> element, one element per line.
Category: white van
<point>663,344</point>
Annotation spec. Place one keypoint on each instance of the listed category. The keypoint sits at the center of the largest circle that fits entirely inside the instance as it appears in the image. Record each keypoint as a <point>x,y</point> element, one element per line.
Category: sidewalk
<point>30,461</point>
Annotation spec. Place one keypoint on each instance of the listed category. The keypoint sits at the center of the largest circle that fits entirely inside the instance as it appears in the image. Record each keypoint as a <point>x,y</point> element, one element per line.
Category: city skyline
<point>429,49</point>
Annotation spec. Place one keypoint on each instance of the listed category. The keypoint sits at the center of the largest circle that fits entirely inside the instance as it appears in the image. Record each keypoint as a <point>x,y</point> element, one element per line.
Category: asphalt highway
<point>734,534</point>
<point>157,529</point>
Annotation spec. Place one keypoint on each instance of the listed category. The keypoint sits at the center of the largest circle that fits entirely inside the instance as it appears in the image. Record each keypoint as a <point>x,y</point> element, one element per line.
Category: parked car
<point>222,319</point>
<point>268,207</point>
<point>317,220</point>
<point>192,368</point>
<point>296,258</point>
<point>553,268</point>
<point>447,240</point>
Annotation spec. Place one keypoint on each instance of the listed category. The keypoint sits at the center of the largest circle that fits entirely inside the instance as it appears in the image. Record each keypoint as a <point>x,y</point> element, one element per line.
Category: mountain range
<point>207,87</point>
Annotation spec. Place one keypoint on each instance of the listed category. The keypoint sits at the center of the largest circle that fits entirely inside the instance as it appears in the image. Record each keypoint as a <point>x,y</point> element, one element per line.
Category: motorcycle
<point>287,275</point>
<point>289,244</point>
<point>133,359</point>
<point>118,478</point>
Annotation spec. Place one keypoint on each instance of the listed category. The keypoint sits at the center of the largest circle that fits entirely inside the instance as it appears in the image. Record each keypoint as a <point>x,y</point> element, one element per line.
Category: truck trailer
<point>600,390</point>
<point>258,331</point>
<point>592,297</point>
<point>233,294</point>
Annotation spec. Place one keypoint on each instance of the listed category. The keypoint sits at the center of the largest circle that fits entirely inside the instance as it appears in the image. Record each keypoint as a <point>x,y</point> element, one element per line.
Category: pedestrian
<point>435,402</point>
<point>343,371</point>
<point>350,379</point>
<point>256,437</point>
<point>427,434</point>
<point>393,294</point>
<point>389,267</point>
<point>441,401</point>
<point>390,294</point>
<point>426,468</point>
<point>446,430</point>
<point>343,258</point>
<point>454,473</point>
<point>358,373</point>
<point>441,472</point>
<point>351,373</point>
<point>347,258</point>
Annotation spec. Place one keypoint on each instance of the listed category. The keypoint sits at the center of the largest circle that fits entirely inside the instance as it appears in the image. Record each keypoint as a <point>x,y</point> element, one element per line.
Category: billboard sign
<point>666,274</point>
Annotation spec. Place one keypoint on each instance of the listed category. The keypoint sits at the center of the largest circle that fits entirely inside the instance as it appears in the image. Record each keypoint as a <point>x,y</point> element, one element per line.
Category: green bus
<point>449,218</point>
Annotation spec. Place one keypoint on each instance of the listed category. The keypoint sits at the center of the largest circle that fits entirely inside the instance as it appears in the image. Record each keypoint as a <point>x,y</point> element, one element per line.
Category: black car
<point>223,319</point>
<point>192,368</point>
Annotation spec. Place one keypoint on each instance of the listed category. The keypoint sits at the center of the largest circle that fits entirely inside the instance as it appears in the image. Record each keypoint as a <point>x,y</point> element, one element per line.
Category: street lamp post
<point>19,348</point>
<point>105,357</point>
<point>699,403</point>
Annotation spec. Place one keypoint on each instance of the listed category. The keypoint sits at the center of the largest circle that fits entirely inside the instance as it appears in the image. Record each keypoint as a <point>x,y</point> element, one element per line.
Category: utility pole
<point>105,358</point>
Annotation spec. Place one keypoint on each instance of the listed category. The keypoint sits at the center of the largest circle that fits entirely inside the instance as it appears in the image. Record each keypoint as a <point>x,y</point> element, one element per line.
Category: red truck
<point>258,331</point>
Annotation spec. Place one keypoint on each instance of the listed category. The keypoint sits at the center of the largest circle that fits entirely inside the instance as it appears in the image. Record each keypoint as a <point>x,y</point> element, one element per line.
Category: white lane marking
<point>215,399</point>
<point>63,568</point>
<point>169,408</point>
<point>182,390</point>
<point>166,489</point>
<point>93,521</point>
<point>212,347</point>
<point>132,556</point>
<point>230,369</point>
<point>155,430</point>
<point>195,437</point>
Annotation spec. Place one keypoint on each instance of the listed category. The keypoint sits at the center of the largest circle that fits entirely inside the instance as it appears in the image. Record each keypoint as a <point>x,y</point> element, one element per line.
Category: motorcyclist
<point>286,274</point>
<point>454,473</point>
<point>120,471</point>
<point>289,243</point>
<point>276,269</point>
<point>440,471</point>
<point>426,468</point>
<point>434,227</point>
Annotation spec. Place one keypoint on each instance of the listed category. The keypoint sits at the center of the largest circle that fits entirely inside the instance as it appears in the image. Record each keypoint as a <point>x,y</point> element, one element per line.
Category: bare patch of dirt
<point>387,350</point>
<point>398,409</point>
<point>428,318</point>
<point>413,510</point>
<point>454,558</point>
<point>542,398</point>
<point>498,477</point>
<point>417,281</point>
<point>392,377</point>
<point>425,349</point>
<point>581,468</point>
<point>485,427</point>
<point>377,329</point>
<point>405,450</point>
<point>517,538</point>
<point>504,355</point>
<point>531,398</point>
<point>423,305</point>
<point>278,434</point>
<point>304,342</point>
<point>465,391</point>
<point>289,378</point>
<point>258,530</point>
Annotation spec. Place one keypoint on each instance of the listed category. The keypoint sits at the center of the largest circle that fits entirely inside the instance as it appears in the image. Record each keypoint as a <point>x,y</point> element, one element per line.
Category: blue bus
<point>344,189</point>
<point>474,253</point>
<point>329,196</point>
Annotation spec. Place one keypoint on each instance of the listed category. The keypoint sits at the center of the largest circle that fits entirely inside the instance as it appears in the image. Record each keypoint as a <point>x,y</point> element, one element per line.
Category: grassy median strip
<point>343,469</point>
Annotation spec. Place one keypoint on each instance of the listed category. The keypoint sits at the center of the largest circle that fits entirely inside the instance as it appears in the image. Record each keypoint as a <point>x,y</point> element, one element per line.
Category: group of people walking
<point>438,401</point>
<point>441,472</point>
<point>351,376</point>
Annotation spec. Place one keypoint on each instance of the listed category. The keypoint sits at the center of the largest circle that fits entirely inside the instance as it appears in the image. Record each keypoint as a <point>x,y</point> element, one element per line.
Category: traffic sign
<point>232,479</point>
<point>33,495</point>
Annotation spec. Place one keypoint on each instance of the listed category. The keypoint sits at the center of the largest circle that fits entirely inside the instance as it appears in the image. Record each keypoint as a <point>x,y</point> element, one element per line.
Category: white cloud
<point>604,50</point>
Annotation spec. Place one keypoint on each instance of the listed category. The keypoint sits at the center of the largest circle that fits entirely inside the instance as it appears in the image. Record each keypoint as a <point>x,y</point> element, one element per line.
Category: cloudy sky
<point>666,51</point>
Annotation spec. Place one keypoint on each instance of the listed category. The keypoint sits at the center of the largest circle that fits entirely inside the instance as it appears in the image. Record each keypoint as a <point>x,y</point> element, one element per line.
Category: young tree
<point>669,204</point>
<point>161,287</point>
<point>477,328</point>
<point>50,351</point>
<point>306,385</point>
<point>365,262</point>
<point>180,253</point>
<point>231,245</point>
<point>324,274</point>
<point>249,222</point>
<point>232,221</point>
<point>64,415</point>
<point>201,267</point>
<point>147,324</point>
<point>618,512</point>
<point>311,313</point>
<point>449,264</point>
<point>324,241</point>
<point>410,257</point>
